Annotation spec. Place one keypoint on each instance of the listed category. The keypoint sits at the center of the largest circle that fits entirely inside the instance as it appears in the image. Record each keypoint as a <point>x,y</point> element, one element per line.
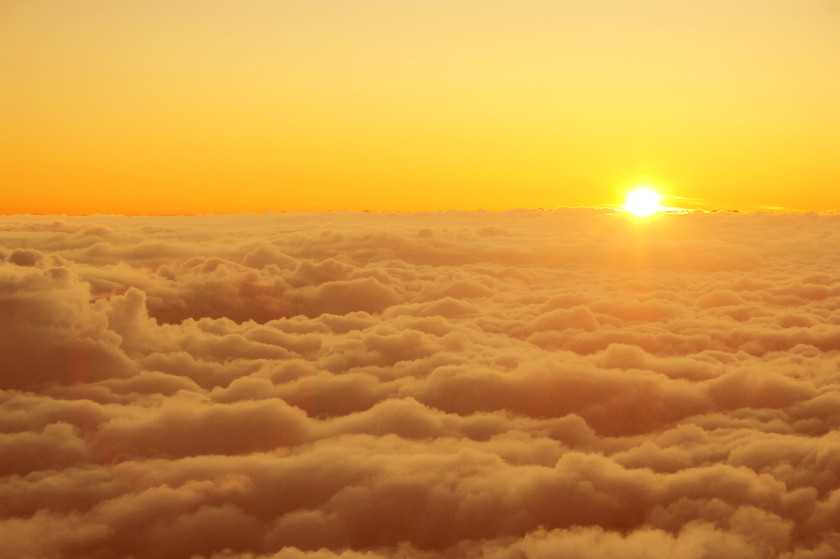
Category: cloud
<point>352,385</point>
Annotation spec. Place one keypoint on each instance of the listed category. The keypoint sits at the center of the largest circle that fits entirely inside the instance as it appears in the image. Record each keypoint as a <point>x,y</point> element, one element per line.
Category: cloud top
<point>324,385</point>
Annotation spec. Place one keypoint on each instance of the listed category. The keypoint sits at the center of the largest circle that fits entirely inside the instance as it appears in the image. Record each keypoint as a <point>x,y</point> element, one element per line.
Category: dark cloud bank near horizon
<point>538,384</point>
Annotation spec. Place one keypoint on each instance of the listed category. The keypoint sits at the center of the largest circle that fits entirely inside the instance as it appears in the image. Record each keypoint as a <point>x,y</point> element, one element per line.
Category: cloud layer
<point>322,385</point>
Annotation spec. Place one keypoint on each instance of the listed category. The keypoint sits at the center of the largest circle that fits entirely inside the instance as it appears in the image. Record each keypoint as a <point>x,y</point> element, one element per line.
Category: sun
<point>642,201</point>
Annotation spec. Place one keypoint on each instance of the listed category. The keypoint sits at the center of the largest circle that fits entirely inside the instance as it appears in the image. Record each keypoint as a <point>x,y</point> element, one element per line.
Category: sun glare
<point>642,201</point>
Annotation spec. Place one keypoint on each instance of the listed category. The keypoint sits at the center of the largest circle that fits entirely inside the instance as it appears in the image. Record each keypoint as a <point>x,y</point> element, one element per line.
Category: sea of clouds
<point>542,384</point>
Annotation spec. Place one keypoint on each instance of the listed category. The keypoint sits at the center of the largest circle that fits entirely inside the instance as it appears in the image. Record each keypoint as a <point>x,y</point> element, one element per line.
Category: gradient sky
<point>160,106</point>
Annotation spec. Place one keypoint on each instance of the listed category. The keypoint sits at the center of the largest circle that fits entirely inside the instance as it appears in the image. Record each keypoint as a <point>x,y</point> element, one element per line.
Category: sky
<point>314,385</point>
<point>212,106</point>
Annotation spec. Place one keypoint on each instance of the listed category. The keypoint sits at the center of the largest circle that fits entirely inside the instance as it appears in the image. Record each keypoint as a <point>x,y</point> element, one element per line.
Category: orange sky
<point>157,106</point>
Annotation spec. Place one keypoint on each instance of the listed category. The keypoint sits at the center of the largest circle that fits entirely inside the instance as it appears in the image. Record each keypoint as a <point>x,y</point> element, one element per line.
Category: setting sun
<point>642,201</point>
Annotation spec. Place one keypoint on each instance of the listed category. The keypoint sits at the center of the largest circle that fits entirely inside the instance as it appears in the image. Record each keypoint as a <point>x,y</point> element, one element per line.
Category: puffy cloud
<point>352,385</point>
<point>51,330</point>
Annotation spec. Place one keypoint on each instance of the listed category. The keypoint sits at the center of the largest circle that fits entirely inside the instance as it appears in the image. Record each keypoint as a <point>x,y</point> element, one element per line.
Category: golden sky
<point>161,106</point>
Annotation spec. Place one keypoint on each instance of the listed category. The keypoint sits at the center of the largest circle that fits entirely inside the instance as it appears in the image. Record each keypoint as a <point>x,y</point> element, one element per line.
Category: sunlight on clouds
<point>427,385</point>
